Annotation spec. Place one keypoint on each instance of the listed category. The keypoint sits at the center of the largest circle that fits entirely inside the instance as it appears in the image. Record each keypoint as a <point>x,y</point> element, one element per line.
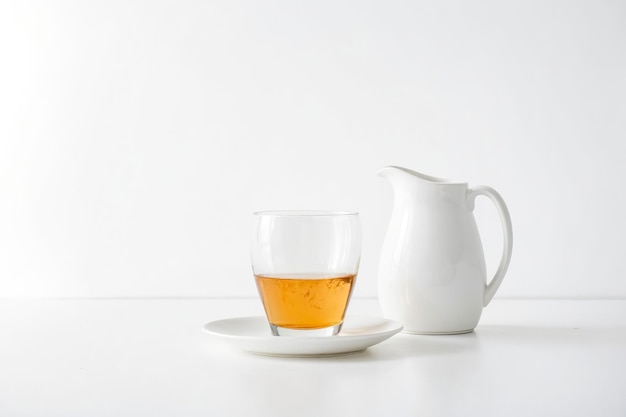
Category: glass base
<point>326,331</point>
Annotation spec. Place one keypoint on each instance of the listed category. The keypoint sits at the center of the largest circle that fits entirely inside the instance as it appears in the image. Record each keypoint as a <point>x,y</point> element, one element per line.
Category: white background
<point>136,137</point>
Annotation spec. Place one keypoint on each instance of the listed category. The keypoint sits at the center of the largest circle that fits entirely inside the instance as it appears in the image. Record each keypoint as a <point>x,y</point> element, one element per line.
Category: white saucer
<point>253,334</point>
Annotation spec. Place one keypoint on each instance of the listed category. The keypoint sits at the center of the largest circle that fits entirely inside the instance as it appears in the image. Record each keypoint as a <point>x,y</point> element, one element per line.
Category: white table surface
<point>136,357</point>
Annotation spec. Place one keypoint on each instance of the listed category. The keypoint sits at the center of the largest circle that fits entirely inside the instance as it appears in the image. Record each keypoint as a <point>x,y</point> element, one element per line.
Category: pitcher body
<point>432,274</point>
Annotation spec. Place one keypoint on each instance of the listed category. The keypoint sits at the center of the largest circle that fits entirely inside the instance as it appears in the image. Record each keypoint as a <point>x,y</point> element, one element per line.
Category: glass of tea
<point>305,264</point>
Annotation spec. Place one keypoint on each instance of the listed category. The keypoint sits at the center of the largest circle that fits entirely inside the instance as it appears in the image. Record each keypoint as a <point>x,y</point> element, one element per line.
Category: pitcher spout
<point>396,173</point>
<point>391,172</point>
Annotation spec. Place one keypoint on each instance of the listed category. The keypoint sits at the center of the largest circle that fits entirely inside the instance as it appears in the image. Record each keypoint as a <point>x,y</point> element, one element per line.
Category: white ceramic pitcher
<point>432,275</point>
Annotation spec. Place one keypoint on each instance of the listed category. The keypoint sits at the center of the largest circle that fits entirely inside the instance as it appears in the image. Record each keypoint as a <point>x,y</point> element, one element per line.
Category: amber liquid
<point>305,302</point>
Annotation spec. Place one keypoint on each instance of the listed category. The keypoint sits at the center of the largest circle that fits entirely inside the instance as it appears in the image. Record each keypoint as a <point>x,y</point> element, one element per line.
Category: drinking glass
<point>305,264</point>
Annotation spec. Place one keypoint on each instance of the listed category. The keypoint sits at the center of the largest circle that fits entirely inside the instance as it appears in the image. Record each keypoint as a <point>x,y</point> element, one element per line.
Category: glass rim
<point>305,213</point>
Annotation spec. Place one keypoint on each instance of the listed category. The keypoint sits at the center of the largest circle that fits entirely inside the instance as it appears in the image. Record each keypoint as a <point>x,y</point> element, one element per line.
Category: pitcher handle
<point>507,232</point>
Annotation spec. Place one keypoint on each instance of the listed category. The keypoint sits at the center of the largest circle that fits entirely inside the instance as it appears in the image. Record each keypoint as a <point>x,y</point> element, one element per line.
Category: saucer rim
<point>313,346</point>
